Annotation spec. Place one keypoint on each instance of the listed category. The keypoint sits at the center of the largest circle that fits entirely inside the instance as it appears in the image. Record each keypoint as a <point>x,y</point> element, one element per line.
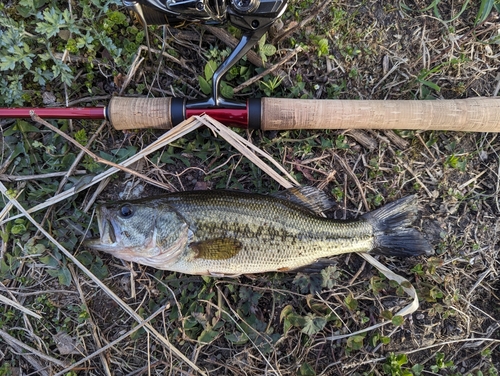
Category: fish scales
<point>232,233</point>
<point>274,233</point>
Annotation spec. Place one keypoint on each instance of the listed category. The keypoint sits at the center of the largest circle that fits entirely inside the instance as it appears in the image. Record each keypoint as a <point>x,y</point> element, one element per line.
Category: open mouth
<point>108,236</point>
<point>107,231</point>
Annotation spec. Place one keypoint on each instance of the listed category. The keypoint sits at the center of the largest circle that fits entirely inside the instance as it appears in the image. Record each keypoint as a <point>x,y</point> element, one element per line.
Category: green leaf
<point>18,229</point>
<point>63,70</point>
<point>307,283</point>
<point>329,276</point>
<point>8,62</point>
<point>237,338</point>
<point>430,84</point>
<point>64,276</point>
<point>417,369</point>
<point>323,48</point>
<point>85,258</point>
<point>123,153</point>
<point>81,137</point>
<point>355,342</point>
<point>386,315</point>
<point>205,87</point>
<point>296,320</point>
<point>53,21</point>
<point>306,370</point>
<point>210,68</point>
<point>99,269</point>
<point>350,302</point>
<point>268,49</point>
<point>50,261</point>
<point>398,320</point>
<point>313,324</point>
<point>248,295</point>
<point>401,359</point>
<point>226,90</point>
<point>484,11</point>
<point>208,335</point>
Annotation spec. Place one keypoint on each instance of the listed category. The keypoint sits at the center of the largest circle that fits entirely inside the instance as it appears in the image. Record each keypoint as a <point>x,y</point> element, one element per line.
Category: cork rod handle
<point>139,113</point>
<point>473,115</point>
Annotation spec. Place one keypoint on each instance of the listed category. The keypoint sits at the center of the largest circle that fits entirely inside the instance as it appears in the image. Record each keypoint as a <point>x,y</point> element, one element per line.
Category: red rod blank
<point>55,113</point>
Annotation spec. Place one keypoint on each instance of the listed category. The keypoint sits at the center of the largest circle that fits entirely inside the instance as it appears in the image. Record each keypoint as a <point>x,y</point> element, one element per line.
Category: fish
<point>230,233</point>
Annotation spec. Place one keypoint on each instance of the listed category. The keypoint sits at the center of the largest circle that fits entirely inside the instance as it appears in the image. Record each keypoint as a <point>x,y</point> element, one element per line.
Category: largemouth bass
<point>223,233</point>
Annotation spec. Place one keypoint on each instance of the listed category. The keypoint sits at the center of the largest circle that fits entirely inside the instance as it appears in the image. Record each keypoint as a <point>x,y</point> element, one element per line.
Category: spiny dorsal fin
<point>308,197</point>
<point>216,249</point>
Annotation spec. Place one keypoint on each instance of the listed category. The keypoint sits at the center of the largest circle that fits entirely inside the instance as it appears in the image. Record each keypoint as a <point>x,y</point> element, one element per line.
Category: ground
<point>275,323</point>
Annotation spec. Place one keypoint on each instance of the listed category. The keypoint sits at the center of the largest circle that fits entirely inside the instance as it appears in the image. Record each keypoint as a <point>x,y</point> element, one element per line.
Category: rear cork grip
<point>472,115</point>
<point>138,113</point>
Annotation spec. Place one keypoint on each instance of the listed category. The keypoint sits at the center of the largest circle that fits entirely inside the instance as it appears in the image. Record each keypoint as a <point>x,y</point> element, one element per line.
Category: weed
<point>394,365</point>
<point>441,363</point>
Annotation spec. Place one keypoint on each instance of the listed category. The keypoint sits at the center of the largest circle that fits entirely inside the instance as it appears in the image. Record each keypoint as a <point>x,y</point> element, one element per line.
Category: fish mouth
<point>108,230</point>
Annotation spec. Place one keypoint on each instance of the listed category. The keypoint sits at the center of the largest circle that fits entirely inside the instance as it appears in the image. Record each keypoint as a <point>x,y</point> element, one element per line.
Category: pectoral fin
<point>216,249</point>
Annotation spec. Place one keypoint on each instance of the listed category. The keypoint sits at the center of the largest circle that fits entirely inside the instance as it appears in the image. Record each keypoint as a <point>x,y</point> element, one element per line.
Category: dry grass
<point>135,320</point>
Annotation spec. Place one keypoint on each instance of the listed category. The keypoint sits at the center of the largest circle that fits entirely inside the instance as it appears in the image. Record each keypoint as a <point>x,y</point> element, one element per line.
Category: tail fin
<point>393,236</point>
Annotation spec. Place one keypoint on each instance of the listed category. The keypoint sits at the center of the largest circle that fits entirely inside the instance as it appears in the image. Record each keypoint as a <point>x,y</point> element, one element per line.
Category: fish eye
<point>126,211</point>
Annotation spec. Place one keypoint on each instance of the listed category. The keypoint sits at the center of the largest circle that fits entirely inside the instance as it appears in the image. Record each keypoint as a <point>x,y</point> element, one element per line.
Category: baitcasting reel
<point>253,17</point>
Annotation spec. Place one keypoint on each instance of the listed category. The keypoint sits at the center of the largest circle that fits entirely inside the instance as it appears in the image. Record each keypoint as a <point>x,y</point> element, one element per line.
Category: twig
<point>353,176</point>
<point>269,70</point>
<point>132,70</point>
<point>299,26</point>
<point>18,306</point>
<point>452,342</point>
<point>73,166</point>
<point>9,339</point>
<point>89,99</point>
<point>417,179</point>
<point>79,157</point>
<point>248,150</point>
<point>168,57</point>
<point>90,321</point>
<point>113,343</point>
<point>12,178</point>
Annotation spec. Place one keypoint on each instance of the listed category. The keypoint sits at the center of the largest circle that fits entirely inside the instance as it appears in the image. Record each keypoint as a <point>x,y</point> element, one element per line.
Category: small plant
<point>322,45</point>
<point>394,365</point>
<point>354,343</point>
<point>441,363</point>
<point>269,85</point>
<point>206,81</point>
<point>265,50</point>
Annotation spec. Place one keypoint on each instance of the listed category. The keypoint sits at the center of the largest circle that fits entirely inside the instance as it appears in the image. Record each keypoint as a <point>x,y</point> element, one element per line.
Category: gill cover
<point>141,233</point>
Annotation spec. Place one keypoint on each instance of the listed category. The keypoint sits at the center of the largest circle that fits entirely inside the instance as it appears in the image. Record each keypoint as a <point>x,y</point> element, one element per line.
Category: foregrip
<point>138,113</point>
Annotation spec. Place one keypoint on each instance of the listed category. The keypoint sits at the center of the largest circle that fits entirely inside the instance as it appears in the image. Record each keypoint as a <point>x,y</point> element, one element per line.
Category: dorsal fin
<point>309,197</point>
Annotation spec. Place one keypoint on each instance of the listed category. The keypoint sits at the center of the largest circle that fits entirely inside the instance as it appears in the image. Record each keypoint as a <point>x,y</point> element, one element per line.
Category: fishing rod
<point>254,18</point>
